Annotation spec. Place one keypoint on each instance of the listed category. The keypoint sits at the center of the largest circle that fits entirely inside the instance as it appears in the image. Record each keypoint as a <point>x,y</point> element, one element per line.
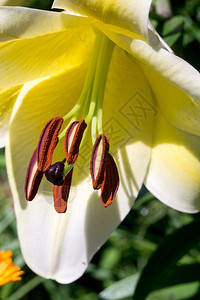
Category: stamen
<point>73,139</point>
<point>61,194</point>
<point>98,160</point>
<point>33,178</point>
<point>104,171</point>
<point>90,105</point>
<point>110,183</point>
<point>54,173</point>
<point>47,143</point>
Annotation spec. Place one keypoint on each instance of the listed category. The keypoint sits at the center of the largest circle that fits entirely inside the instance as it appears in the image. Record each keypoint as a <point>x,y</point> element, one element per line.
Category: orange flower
<point>8,271</point>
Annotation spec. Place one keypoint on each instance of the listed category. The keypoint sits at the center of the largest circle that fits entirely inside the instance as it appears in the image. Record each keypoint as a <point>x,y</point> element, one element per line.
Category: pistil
<point>55,173</point>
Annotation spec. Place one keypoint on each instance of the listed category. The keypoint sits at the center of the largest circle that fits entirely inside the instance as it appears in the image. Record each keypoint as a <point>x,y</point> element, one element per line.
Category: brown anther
<point>47,143</point>
<point>33,178</point>
<point>61,194</point>
<point>110,183</point>
<point>73,137</point>
<point>98,160</point>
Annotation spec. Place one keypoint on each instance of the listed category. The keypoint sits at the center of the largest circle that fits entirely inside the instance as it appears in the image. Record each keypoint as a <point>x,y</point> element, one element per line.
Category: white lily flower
<point>147,105</point>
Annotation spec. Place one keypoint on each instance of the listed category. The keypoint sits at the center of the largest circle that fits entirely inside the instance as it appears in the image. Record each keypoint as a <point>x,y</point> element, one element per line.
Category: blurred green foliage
<point>155,252</point>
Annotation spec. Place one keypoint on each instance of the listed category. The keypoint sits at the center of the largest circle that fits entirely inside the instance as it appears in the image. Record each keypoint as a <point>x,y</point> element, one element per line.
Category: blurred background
<point>155,252</point>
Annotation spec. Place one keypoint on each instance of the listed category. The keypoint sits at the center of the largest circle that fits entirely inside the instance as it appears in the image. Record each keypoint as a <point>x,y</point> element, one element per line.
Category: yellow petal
<point>64,42</point>
<point>21,22</point>
<point>122,16</point>
<point>174,82</point>
<point>7,100</point>
<point>174,171</point>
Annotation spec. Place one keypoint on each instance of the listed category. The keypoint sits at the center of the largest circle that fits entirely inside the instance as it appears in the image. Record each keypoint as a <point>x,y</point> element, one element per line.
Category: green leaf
<point>7,221</point>
<point>164,259</point>
<point>11,245</point>
<point>191,28</point>
<point>110,258</point>
<point>122,289</point>
<point>171,39</point>
<point>26,288</point>
<point>182,274</point>
<point>2,161</point>
<point>173,25</point>
<point>187,39</point>
<point>183,291</point>
<point>52,289</point>
<point>141,201</point>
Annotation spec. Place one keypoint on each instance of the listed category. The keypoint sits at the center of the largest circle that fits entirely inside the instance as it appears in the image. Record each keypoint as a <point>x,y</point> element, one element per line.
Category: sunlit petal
<point>174,171</point>
<point>40,48</point>
<point>21,22</point>
<point>122,16</point>
<point>7,99</point>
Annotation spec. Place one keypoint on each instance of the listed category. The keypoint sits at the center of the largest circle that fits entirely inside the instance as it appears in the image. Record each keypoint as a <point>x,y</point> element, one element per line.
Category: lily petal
<point>174,171</point>
<point>7,99</point>
<point>28,58</point>
<point>122,16</point>
<point>21,22</point>
<point>71,239</point>
<point>155,39</point>
<point>174,82</point>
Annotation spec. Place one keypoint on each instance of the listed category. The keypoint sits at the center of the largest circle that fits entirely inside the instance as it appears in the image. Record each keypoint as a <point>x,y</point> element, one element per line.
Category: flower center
<point>89,108</point>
